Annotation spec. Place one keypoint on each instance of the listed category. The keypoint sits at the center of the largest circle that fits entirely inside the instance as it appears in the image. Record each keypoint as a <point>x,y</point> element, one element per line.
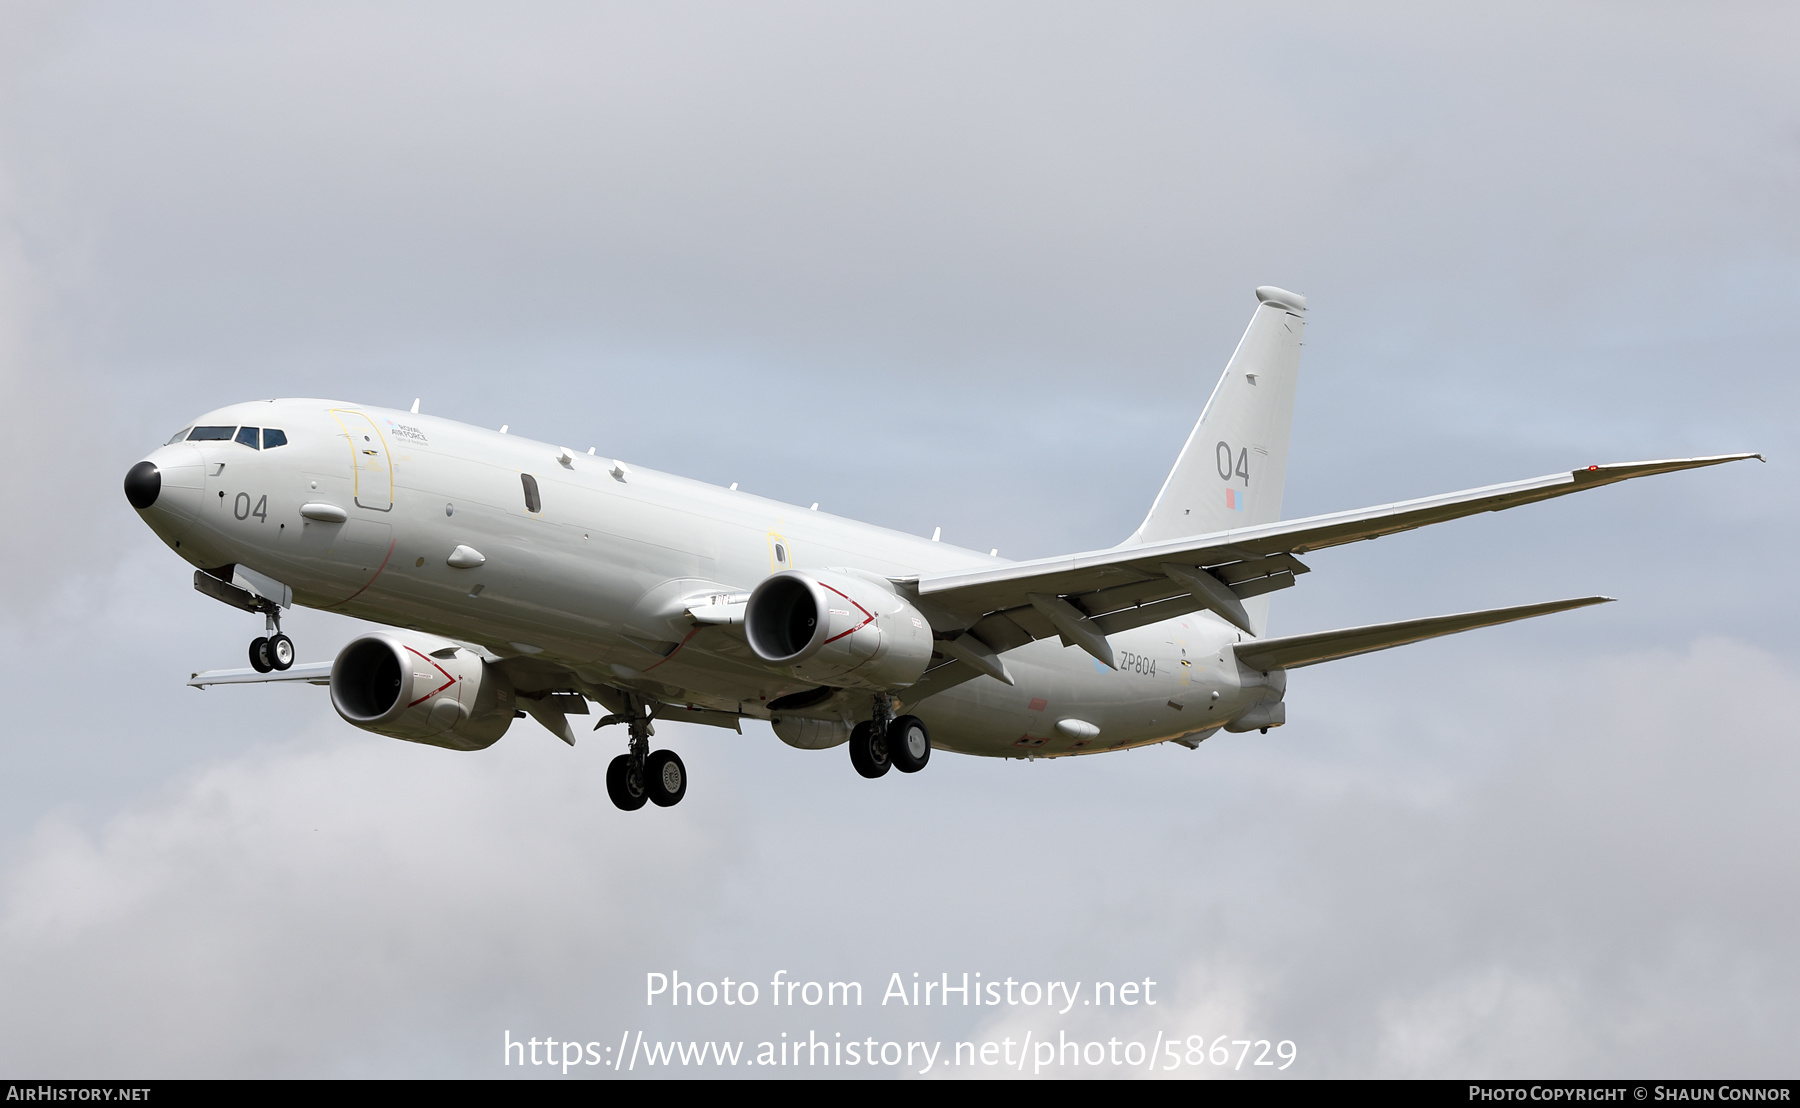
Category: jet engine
<point>837,628</point>
<point>417,687</point>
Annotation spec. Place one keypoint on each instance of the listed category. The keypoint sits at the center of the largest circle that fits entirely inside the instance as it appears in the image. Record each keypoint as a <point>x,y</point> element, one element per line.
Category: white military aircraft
<point>520,578</point>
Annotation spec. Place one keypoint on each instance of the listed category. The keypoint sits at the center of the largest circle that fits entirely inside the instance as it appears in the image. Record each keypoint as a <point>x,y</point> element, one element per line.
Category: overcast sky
<point>1003,251</point>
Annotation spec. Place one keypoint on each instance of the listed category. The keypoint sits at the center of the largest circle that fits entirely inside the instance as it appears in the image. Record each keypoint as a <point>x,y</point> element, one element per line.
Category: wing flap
<point>1145,614</point>
<point>1000,633</point>
<point>681,713</point>
<point>937,679</point>
<point>1294,651</point>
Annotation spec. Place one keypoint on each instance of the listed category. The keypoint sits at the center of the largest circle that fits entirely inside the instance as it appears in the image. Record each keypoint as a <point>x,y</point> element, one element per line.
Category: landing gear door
<point>372,472</point>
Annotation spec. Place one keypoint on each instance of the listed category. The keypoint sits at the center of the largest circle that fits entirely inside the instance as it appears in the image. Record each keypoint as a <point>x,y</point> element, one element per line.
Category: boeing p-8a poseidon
<point>520,578</point>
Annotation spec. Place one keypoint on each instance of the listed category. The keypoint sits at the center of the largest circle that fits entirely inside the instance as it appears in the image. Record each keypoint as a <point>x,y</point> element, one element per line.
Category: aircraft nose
<point>142,485</point>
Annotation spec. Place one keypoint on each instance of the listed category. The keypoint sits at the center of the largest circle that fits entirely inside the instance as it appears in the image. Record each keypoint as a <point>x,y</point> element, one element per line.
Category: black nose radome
<point>142,484</point>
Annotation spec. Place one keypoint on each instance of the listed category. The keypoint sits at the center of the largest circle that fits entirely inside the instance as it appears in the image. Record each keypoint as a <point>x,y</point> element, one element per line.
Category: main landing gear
<point>639,776</point>
<point>274,652</point>
<point>887,740</point>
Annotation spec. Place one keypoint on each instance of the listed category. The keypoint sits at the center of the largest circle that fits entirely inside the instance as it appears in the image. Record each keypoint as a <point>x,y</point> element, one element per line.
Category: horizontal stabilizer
<point>1294,651</point>
<point>313,673</point>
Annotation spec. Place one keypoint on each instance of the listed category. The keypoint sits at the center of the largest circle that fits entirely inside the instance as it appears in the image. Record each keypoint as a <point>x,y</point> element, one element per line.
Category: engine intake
<point>837,628</point>
<point>422,689</point>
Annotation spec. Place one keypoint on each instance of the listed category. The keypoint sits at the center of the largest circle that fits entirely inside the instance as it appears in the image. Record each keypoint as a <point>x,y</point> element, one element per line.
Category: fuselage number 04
<point>241,508</point>
<point>1230,467</point>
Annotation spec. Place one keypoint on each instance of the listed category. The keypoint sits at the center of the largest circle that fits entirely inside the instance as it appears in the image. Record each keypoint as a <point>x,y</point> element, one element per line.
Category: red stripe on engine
<point>448,680</point>
<point>868,617</point>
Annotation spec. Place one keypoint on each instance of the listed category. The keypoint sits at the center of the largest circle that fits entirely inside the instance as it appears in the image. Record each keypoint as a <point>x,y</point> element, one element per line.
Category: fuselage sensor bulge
<point>517,578</point>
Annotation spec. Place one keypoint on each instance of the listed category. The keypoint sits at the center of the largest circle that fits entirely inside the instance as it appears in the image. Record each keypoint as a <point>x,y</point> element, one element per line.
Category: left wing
<point>1082,598</point>
<point>313,673</point>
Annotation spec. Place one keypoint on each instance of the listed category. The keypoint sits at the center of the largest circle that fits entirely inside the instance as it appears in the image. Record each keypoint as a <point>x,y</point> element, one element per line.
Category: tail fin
<point>1230,473</point>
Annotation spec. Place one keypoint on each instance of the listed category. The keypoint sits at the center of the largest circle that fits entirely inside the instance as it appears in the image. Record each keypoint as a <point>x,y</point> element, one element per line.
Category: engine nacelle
<point>836,628</point>
<point>418,687</point>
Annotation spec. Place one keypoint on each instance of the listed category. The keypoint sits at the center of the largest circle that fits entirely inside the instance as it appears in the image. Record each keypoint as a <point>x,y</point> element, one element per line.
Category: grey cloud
<point>1592,894</point>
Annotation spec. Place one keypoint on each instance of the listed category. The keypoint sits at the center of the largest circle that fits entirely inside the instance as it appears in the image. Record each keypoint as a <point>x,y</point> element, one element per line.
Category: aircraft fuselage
<point>587,567</point>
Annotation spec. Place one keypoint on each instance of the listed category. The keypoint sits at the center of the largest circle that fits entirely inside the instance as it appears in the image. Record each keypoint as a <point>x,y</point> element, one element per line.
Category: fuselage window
<point>781,553</point>
<point>211,434</point>
<point>532,503</point>
<point>273,438</point>
<point>248,436</point>
<point>179,435</point>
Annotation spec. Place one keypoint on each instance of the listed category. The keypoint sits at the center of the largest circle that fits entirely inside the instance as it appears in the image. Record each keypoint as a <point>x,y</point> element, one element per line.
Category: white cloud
<point>281,913</point>
<point>1609,897</point>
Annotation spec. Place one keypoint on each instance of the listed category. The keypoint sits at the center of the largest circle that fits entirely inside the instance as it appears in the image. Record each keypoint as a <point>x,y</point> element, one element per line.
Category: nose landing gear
<point>639,775</point>
<point>274,652</point>
<point>887,740</point>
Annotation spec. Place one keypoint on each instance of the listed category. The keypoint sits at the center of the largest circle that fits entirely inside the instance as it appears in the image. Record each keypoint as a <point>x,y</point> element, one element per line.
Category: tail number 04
<point>241,508</point>
<point>1230,467</point>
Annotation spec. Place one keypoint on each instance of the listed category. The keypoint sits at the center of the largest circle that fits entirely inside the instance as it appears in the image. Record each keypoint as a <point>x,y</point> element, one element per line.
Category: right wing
<point>1082,598</point>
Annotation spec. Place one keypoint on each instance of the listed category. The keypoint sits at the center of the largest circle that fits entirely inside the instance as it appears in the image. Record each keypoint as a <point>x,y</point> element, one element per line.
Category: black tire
<point>868,751</point>
<point>625,787</point>
<point>281,652</point>
<point>665,778</point>
<point>259,656</point>
<point>908,743</point>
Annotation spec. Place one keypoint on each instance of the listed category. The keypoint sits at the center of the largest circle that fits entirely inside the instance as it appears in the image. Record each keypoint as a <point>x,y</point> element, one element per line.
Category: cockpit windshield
<point>178,436</point>
<point>270,437</point>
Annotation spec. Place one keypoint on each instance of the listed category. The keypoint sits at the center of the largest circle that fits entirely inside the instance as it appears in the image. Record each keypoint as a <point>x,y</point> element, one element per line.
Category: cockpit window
<point>248,436</point>
<point>273,438</point>
<point>532,503</point>
<point>178,436</point>
<point>211,434</point>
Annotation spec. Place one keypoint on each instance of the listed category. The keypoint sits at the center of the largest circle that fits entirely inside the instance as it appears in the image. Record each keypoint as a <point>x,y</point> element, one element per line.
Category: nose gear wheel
<point>274,651</point>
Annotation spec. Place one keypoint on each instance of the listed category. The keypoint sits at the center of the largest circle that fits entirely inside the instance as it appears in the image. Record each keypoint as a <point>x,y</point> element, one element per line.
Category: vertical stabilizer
<point>1230,473</point>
